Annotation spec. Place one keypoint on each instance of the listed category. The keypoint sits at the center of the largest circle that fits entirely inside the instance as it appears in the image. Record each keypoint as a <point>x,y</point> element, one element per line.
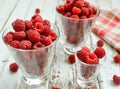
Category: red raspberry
<point>46,22</point>
<point>68,7</point>
<point>100,43</point>
<point>76,11</point>
<point>28,24</point>
<point>15,44</point>
<point>83,17</point>
<point>38,45</point>
<point>70,1</point>
<point>36,18</point>
<point>116,58</point>
<point>13,67</point>
<point>79,4</point>
<point>91,58</point>
<point>37,10</point>
<point>71,58</point>
<point>68,14</point>
<point>90,16</point>
<point>86,4</point>
<point>116,79</point>
<point>55,88</point>
<point>53,35</point>
<point>25,44</point>
<point>74,16</point>
<point>81,54</point>
<point>46,40</point>
<point>40,26</point>
<point>8,38</point>
<point>46,32</point>
<point>18,25</point>
<point>100,52</point>
<point>33,36</point>
<point>60,8</point>
<point>21,35</point>
<point>85,11</point>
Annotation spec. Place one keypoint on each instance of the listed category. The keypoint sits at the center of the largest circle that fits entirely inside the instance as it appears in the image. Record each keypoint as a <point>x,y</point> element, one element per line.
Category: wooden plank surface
<point>64,72</point>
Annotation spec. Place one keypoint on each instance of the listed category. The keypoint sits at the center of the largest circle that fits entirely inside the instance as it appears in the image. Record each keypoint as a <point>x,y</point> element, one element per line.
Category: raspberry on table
<point>91,58</point>
<point>25,44</point>
<point>13,67</point>
<point>33,36</point>
<point>19,35</point>
<point>18,25</point>
<point>116,58</point>
<point>100,52</point>
<point>116,79</point>
<point>71,58</point>
<point>100,43</point>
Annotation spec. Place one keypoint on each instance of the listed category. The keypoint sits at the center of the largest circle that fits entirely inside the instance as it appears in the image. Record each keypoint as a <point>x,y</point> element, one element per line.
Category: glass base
<point>36,82</point>
<point>69,50</point>
<point>86,84</point>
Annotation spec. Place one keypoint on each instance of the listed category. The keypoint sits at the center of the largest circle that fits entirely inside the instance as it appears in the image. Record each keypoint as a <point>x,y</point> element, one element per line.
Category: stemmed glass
<point>35,64</point>
<point>75,31</point>
<point>87,73</point>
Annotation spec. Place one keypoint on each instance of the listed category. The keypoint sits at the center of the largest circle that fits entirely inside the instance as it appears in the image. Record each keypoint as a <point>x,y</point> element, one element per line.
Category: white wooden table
<point>65,72</point>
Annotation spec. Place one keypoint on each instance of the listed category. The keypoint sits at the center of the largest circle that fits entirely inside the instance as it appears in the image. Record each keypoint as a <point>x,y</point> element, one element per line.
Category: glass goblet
<point>35,64</point>
<point>75,31</point>
<point>87,73</point>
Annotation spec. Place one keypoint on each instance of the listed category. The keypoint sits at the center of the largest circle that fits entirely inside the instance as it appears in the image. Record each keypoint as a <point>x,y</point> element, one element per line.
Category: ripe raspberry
<point>37,10</point>
<point>40,26</point>
<point>100,43</point>
<point>36,18</point>
<point>60,8</point>
<point>25,44</point>
<point>13,67</point>
<point>46,22</point>
<point>33,36</point>
<point>100,52</point>
<point>81,54</point>
<point>18,25</point>
<point>68,7</point>
<point>21,35</point>
<point>55,88</point>
<point>15,44</point>
<point>38,45</point>
<point>71,58</point>
<point>46,32</point>
<point>91,58</point>
<point>8,38</point>
<point>53,35</point>
<point>85,11</point>
<point>116,79</point>
<point>28,24</point>
<point>74,16</point>
<point>79,4</point>
<point>90,16</point>
<point>46,40</point>
<point>83,17</point>
<point>76,11</point>
<point>116,58</point>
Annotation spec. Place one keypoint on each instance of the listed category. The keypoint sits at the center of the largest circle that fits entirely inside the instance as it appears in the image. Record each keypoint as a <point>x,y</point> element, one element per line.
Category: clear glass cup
<point>35,64</point>
<point>75,31</point>
<point>87,73</point>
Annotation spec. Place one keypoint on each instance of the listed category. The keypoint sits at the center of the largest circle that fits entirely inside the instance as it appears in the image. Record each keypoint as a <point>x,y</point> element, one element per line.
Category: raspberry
<point>46,40</point>
<point>36,18</point>
<point>71,58</point>
<point>37,10</point>
<point>15,44</point>
<point>78,4</point>
<point>76,11</point>
<point>85,11</point>
<point>68,7</point>
<point>91,58</point>
<point>33,36</point>
<point>8,38</point>
<point>46,22</point>
<point>38,45</point>
<point>55,88</point>
<point>13,67</point>
<point>53,35</point>
<point>74,16</point>
<point>116,79</point>
<point>90,16</point>
<point>60,8</point>
<point>83,17</point>
<point>18,25</point>
<point>28,24</point>
<point>39,25</point>
<point>116,58</point>
<point>81,54</point>
<point>46,32</point>
<point>68,14</point>
<point>25,44</point>
<point>100,52</point>
<point>21,35</point>
<point>100,43</point>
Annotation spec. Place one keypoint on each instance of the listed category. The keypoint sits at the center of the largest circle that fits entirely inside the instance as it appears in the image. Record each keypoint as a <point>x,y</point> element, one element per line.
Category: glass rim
<point>97,14</point>
<point>32,50</point>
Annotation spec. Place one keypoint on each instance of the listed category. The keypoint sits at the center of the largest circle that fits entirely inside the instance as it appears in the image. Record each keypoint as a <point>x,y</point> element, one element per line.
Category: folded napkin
<point>107,26</point>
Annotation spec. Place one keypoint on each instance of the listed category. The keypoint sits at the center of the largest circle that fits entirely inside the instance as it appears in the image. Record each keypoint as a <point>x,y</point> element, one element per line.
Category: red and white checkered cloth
<point>107,26</point>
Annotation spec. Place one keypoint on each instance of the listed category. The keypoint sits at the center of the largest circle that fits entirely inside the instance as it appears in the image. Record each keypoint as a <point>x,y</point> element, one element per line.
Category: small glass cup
<point>75,31</point>
<point>87,73</point>
<point>35,64</point>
